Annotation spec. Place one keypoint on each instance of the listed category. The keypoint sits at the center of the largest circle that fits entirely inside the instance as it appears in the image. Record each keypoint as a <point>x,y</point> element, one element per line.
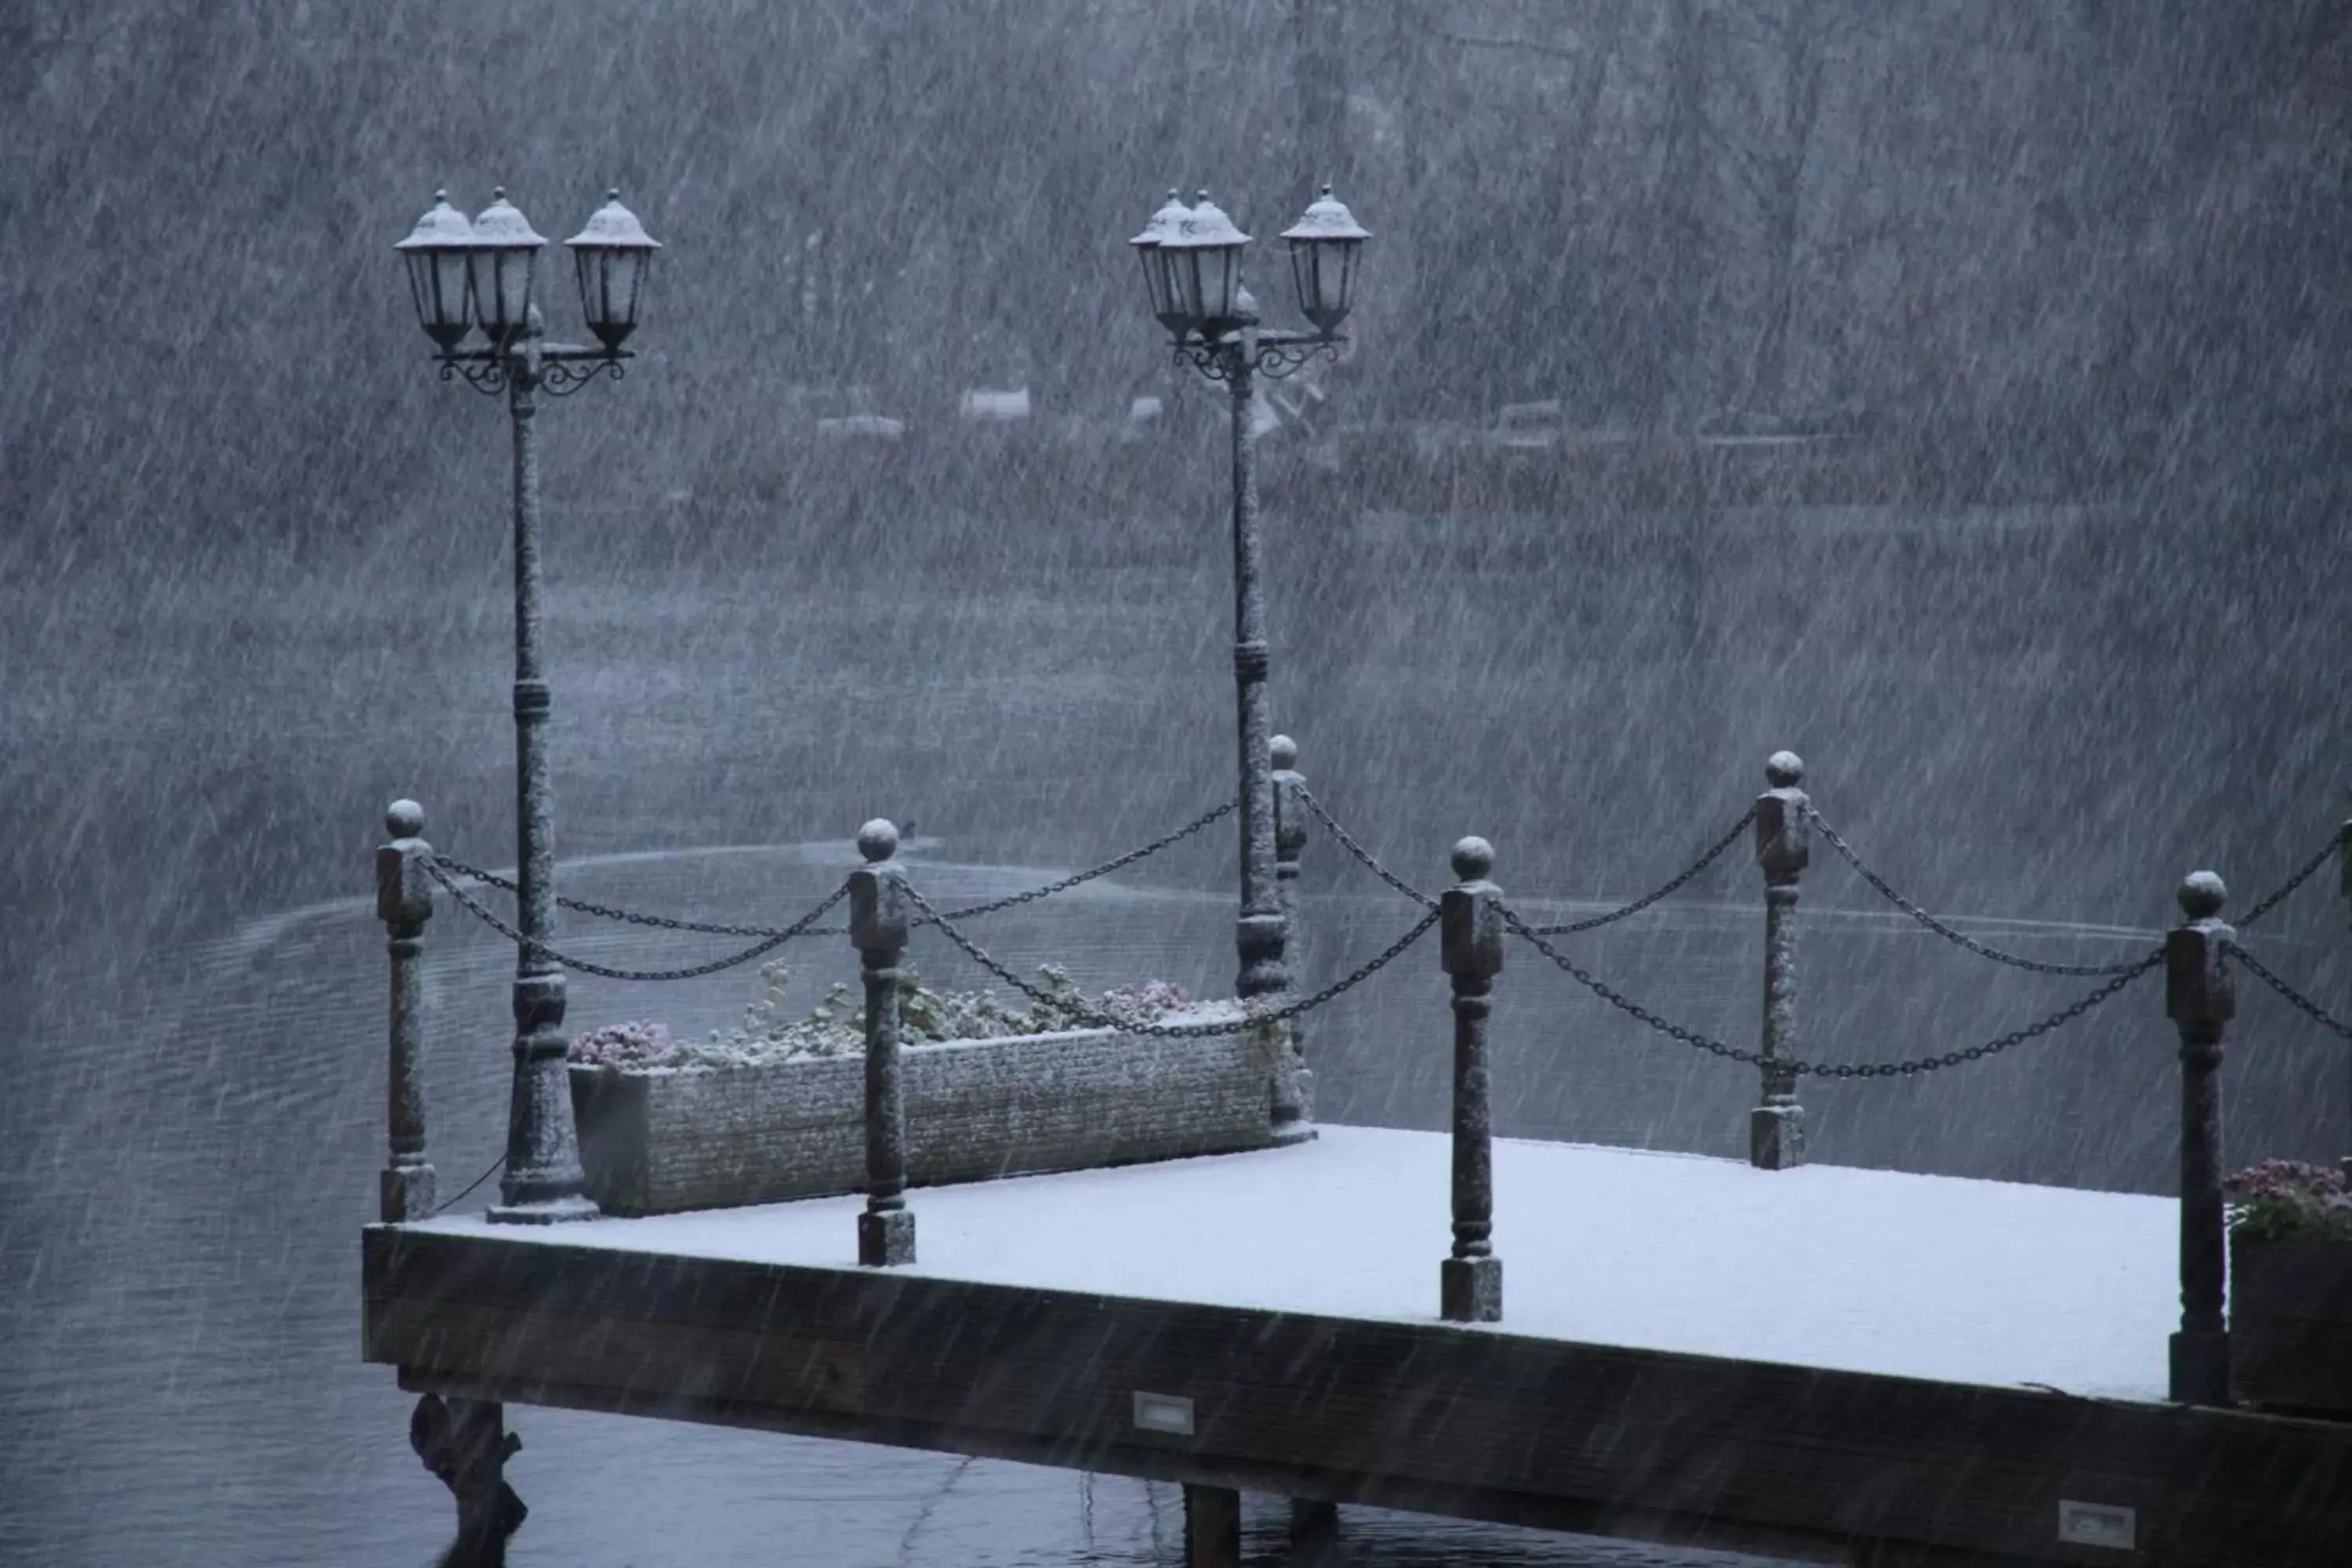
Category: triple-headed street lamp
<point>477,276</point>
<point>1192,269</point>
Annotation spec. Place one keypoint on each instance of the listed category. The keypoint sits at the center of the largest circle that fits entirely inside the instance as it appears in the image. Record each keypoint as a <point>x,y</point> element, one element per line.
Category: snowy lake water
<point>198,763</point>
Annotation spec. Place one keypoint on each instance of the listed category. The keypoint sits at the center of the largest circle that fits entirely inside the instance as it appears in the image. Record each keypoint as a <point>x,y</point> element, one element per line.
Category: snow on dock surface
<point>1878,1271</point>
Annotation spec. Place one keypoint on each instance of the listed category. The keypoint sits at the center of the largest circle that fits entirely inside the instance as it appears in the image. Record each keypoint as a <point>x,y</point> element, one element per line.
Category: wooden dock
<point>1832,1364</point>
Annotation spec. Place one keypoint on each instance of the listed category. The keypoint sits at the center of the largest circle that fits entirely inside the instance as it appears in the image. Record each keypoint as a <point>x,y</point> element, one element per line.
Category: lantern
<point>612,255</point>
<point>1204,268</point>
<point>1164,224</point>
<point>1324,246</point>
<point>505,255</point>
<point>439,275</point>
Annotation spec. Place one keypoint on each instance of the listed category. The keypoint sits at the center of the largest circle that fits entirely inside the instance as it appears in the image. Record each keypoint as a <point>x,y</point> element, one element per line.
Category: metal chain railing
<point>1254,1014</point>
<point>711,928</point>
<point>2264,906</point>
<point>442,1208</point>
<point>1370,863</point>
<point>1800,1068</point>
<point>2038,966</point>
<point>691,972</point>
<point>1714,851</point>
<point>2295,999</point>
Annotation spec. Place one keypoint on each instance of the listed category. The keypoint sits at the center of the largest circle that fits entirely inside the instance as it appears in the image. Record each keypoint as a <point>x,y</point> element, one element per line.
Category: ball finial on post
<point>1472,858</point>
<point>2201,895</point>
<point>405,819</point>
<point>1784,769</point>
<point>878,839</point>
<point>1283,751</point>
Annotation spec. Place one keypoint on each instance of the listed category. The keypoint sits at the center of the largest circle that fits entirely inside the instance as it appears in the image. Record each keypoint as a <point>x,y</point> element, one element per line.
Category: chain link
<point>2038,966</point>
<point>691,972</point>
<point>2295,999</point>
<point>1255,1014</point>
<point>440,1209</point>
<point>2265,906</point>
<point>709,928</point>
<point>1593,922</point>
<point>1348,842</point>
<point>1799,1068</point>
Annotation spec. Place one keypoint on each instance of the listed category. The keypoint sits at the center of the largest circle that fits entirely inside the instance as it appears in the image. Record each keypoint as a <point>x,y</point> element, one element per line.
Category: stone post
<point>1776,1128</point>
<point>2200,1000</point>
<point>1294,1085</point>
<point>879,916</point>
<point>1470,928</point>
<point>404,901</point>
<point>2344,885</point>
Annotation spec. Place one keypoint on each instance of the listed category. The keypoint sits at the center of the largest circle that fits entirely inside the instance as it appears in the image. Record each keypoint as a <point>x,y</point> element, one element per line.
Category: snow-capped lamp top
<point>615,226</point>
<point>438,277</point>
<point>1472,858</point>
<point>1156,282</point>
<point>2201,895</point>
<point>505,256</point>
<point>1324,246</point>
<point>878,841</point>
<point>1327,217</point>
<point>1204,266</point>
<point>612,255</point>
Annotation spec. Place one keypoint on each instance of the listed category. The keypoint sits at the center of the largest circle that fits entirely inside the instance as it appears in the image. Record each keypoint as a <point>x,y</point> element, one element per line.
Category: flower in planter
<point>2279,1199</point>
<point>835,1026</point>
<point>638,1045</point>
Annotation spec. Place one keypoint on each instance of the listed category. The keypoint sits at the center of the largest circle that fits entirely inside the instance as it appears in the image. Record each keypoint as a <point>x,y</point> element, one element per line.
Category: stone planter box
<point>661,1141</point>
<point>2291,1324</point>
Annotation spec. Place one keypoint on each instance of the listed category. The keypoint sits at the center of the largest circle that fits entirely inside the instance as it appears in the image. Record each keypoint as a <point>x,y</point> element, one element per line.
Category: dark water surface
<point>1992,704</point>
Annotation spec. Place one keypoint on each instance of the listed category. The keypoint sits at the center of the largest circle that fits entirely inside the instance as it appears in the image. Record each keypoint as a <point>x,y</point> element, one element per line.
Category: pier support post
<point>879,920</point>
<point>1776,1128</point>
<point>2200,1000</point>
<point>1293,1084</point>
<point>465,1443</point>
<point>1470,928</point>
<point>1314,1531</point>
<point>404,901</point>
<point>1212,1527</point>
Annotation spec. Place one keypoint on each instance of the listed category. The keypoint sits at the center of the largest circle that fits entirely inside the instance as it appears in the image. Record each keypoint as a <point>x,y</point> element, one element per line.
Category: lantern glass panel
<point>439,281</point>
<point>502,284</point>
<point>611,280</point>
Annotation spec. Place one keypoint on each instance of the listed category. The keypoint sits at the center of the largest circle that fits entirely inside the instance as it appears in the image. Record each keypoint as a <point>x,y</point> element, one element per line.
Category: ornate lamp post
<point>479,275</point>
<point>1192,260</point>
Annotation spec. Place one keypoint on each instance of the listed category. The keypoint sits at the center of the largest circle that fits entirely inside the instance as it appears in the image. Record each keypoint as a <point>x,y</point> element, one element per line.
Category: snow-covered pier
<point>1844,1365</point>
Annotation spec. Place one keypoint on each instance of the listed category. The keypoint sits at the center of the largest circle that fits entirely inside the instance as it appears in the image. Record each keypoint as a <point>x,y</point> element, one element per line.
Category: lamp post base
<point>1776,1137</point>
<point>548,1211</point>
